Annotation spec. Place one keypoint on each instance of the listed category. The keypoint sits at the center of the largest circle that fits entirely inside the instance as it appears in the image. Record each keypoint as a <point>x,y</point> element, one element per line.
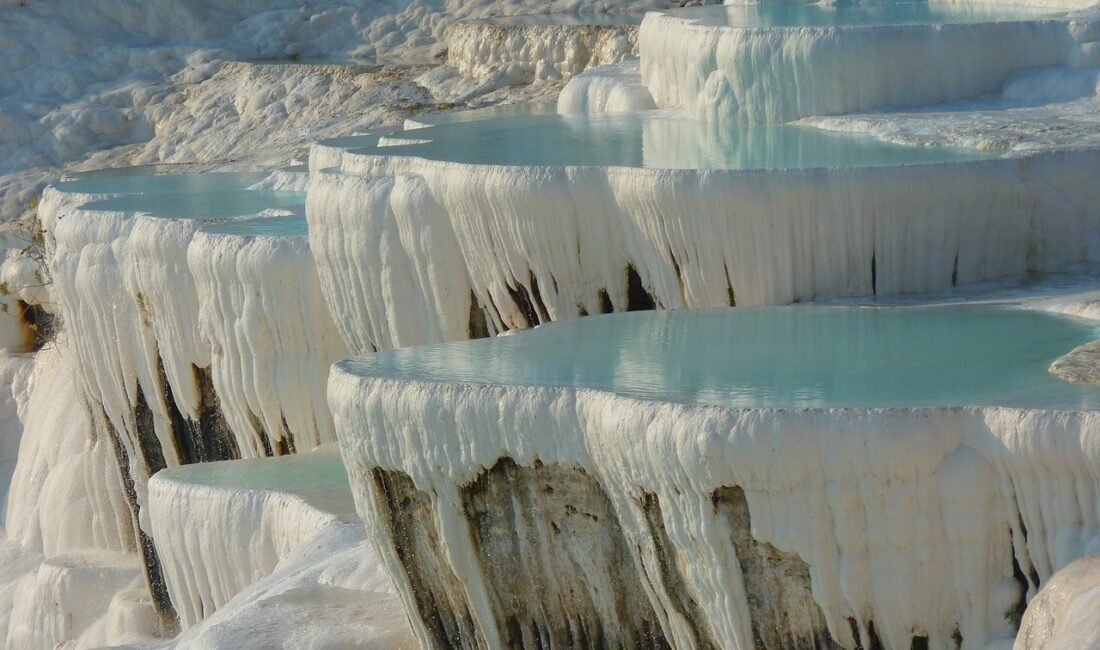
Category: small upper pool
<point>205,196</point>
<point>148,180</point>
<point>860,14</point>
<point>282,226</point>
<point>778,357</point>
<point>318,477</point>
<point>221,204</point>
<point>658,139</point>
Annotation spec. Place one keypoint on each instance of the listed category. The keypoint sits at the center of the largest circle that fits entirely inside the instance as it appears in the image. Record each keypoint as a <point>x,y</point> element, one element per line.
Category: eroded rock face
<point>551,554</point>
<point>554,567</point>
<point>439,595</point>
<point>782,607</point>
<point>555,560</point>
<point>671,567</point>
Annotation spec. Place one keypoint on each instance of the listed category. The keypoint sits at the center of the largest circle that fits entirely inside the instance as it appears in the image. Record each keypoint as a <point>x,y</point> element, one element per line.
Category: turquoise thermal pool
<point>222,204</point>
<point>860,14</point>
<point>657,140</point>
<point>777,357</point>
<point>149,180</point>
<point>283,226</point>
<point>484,113</point>
<point>319,477</point>
<point>215,195</point>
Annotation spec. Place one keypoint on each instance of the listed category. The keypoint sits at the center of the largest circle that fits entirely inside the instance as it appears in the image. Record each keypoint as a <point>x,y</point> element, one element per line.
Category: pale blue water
<point>487,113</point>
<point>199,204</point>
<point>659,140</point>
<point>778,357</point>
<point>319,478</point>
<point>364,139</point>
<point>289,226</point>
<point>212,195</point>
<point>154,180</point>
<point>861,14</point>
<point>14,239</point>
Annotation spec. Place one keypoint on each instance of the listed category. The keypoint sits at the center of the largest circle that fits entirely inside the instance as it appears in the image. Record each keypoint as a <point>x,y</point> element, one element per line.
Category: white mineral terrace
<point>547,217</point>
<point>222,526</point>
<point>913,461</point>
<point>778,62</point>
<point>909,470</point>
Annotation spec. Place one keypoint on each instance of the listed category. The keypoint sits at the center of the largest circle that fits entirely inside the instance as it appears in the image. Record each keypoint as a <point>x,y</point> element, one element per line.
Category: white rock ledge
<point>524,245</point>
<point>216,536</point>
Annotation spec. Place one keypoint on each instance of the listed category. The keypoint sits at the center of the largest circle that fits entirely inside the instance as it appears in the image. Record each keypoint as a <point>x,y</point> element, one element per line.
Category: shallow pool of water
<point>484,113</point>
<point>658,139</point>
<point>779,357</point>
<point>861,14</point>
<point>150,180</point>
<point>287,226</point>
<point>220,204</point>
<point>318,477</point>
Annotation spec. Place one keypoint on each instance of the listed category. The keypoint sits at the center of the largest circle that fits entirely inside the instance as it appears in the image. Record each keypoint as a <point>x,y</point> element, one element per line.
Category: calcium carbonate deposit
<point>563,324</point>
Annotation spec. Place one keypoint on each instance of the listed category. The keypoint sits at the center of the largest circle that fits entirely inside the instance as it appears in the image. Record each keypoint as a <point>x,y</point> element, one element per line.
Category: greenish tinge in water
<point>862,14</point>
<point>658,139</point>
<point>153,180</point>
<point>218,204</point>
<point>496,112</point>
<point>319,478</point>
<point>285,226</point>
<point>778,357</point>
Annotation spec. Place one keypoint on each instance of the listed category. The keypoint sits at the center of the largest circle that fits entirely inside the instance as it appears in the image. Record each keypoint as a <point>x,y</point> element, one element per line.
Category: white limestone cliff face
<point>65,494</point>
<point>365,252</point>
<point>69,528</point>
<point>14,376</point>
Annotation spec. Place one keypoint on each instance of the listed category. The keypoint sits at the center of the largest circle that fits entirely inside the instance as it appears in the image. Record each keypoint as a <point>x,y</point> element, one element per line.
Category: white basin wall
<point>773,75</point>
<point>695,238</point>
<point>271,339</point>
<point>215,541</point>
<point>615,88</point>
<point>246,312</point>
<point>908,519</point>
<point>167,296</point>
